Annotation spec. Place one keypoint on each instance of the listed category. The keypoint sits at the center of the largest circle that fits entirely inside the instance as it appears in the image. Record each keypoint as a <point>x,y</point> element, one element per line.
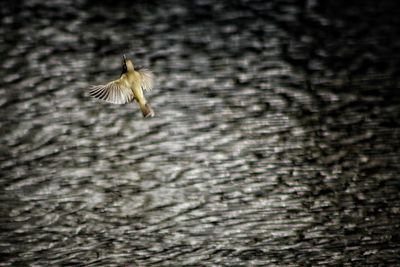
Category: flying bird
<point>128,87</point>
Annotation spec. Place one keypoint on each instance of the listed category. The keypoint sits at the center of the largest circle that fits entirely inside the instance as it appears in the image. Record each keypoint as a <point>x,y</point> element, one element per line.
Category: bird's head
<point>127,65</point>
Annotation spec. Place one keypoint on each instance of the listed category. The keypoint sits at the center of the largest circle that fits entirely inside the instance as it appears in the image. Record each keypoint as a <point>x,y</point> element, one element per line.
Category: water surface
<point>275,140</point>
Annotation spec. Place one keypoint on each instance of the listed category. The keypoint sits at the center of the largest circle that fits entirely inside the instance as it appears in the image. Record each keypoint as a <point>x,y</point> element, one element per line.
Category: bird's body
<point>127,88</point>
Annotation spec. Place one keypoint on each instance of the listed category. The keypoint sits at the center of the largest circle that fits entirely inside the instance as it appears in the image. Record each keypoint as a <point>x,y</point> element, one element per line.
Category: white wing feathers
<point>146,79</point>
<point>113,92</point>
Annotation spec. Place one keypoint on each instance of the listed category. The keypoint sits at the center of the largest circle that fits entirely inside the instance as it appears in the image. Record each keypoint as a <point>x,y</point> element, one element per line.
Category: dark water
<point>275,141</point>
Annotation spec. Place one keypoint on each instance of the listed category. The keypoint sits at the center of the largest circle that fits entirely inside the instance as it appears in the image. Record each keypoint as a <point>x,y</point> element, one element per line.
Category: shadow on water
<point>275,141</point>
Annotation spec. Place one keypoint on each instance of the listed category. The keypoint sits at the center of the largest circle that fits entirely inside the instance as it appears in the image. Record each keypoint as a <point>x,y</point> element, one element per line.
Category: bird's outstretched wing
<point>115,92</point>
<point>146,79</point>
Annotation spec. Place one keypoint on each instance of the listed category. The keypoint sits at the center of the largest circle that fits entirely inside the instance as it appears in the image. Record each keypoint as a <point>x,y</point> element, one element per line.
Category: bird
<point>129,87</point>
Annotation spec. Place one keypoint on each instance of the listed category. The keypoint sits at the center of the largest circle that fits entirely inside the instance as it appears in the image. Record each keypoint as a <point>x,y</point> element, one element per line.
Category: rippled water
<point>275,141</point>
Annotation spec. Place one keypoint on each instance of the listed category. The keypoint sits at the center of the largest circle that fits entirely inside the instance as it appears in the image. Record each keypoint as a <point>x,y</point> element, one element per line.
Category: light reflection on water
<point>262,151</point>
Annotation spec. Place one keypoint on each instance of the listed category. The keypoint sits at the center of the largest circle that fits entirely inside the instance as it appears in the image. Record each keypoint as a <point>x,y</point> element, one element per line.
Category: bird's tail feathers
<point>147,110</point>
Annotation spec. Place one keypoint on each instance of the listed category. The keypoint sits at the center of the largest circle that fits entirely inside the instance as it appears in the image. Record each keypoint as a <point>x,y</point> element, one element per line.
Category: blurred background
<point>275,141</point>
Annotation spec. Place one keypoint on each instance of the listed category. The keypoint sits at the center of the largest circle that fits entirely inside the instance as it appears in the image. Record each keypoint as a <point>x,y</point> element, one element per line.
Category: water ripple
<point>274,144</point>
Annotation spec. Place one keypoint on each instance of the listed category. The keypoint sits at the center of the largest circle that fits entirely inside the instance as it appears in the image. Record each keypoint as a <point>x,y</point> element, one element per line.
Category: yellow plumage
<point>128,87</point>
